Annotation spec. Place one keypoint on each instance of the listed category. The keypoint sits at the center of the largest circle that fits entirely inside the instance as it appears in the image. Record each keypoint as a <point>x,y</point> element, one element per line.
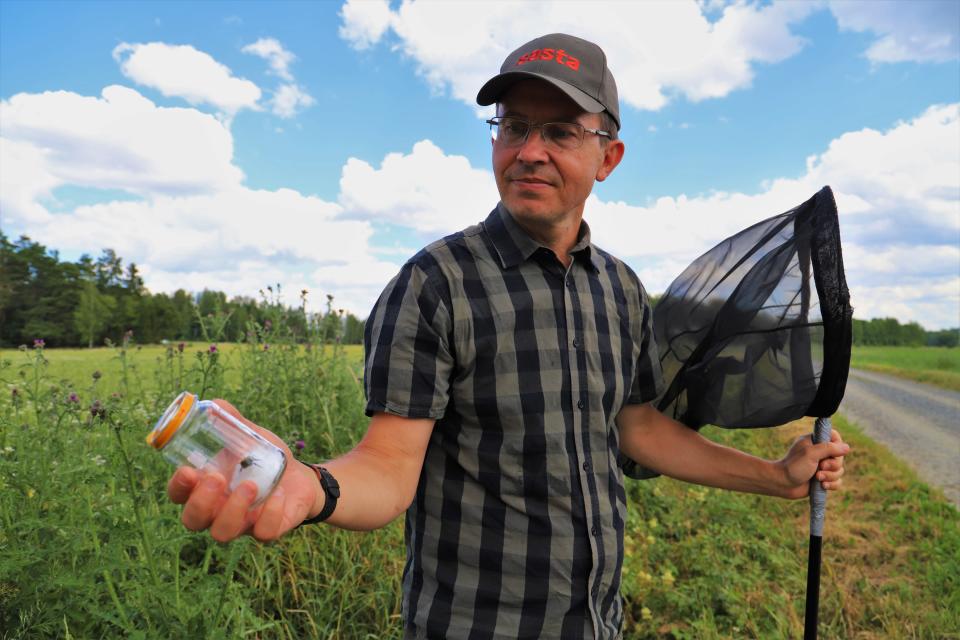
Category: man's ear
<point>612,155</point>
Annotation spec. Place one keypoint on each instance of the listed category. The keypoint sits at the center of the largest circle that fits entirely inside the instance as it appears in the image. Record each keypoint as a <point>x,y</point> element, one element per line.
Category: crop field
<point>91,548</point>
<point>934,365</point>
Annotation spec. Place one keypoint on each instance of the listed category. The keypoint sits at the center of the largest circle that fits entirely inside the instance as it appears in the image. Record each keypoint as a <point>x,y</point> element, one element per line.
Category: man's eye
<point>560,133</point>
<point>515,128</point>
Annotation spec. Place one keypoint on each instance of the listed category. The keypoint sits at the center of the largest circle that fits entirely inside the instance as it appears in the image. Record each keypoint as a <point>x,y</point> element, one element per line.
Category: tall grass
<point>90,547</point>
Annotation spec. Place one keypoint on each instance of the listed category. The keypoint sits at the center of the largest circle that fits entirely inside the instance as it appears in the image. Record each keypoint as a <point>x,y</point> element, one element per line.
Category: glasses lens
<point>512,131</point>
<point>565,135</point>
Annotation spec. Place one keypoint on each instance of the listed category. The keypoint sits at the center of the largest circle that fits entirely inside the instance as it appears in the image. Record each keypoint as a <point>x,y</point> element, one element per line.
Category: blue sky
<point>232,145</point>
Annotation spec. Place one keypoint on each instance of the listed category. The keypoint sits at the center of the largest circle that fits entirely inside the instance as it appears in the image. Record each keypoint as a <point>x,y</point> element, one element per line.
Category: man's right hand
<point>208,506</point>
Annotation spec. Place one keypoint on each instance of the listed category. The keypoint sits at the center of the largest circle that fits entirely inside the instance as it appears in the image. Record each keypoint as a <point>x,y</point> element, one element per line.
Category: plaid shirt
<point>516,530</point>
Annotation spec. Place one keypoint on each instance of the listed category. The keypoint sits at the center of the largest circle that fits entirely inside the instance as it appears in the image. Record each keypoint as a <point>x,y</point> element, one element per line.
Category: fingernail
<point>211,482</point>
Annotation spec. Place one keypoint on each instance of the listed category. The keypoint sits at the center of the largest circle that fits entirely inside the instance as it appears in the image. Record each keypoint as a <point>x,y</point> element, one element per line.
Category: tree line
<point>86,302</point>
<point>90,301</point>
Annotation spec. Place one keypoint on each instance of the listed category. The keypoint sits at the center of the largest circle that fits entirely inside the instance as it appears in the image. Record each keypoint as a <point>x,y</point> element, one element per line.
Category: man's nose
<point>534,148</point>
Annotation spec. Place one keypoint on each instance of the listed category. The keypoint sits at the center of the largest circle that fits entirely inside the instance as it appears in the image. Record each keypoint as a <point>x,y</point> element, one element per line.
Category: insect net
<point>756,332</point>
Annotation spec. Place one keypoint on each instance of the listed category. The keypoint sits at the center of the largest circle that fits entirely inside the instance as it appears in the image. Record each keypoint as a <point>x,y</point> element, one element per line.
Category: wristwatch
<point>331,489</point>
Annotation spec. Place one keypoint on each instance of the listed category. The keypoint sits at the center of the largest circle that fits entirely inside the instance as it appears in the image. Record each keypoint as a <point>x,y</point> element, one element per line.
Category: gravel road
<point>918,422</point>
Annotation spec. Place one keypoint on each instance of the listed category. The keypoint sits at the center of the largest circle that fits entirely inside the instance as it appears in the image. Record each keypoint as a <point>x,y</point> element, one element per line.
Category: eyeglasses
<point>513,132</point>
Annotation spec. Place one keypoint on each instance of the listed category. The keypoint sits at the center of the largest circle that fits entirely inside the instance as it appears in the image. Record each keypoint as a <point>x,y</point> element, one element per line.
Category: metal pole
<point>818,508</point>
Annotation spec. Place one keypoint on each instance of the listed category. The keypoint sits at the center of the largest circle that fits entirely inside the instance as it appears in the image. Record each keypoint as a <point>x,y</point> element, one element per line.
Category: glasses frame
<point>498,120</point>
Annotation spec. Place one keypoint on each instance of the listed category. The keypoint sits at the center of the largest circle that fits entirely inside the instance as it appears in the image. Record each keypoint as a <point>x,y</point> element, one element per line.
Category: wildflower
<point>73,398</point>
<point>115,395</point>
<point>266,347</point>
<point>668,579</point>
<point>300,444</point>
<point>31,492</point>
<point>180,347</point>
<point>651,539</point>
<point>97,375</point>
<point>267,324</point>
<point>8,449</point>
<point>97,410</point>
<point>653,523</point>
<point>15,393</point>
<point>99,460</point>
<point>303,293</point>
<point>646,614</point>
<point>212,350</point>
<point>38,343</point>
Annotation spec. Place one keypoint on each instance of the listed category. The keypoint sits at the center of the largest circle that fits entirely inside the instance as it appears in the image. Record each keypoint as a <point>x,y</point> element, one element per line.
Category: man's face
<point>539,184</point>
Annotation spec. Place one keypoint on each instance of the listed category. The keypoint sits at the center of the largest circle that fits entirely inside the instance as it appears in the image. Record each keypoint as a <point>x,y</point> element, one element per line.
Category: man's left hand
<point>804,459</point>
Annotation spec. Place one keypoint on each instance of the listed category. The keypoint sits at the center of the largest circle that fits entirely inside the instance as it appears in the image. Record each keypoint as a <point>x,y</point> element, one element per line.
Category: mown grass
<point>939,366</point>
<point>88,550</point>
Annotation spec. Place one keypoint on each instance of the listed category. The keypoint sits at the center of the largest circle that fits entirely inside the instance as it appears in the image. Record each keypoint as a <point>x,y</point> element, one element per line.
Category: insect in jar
<point>248,462</point>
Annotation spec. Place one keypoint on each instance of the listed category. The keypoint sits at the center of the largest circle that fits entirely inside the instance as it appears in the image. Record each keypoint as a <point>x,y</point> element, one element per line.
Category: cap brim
<point>498,85</point>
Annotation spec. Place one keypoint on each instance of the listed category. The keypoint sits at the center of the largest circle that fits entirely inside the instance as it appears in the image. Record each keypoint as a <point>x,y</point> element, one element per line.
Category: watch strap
<point>331,491</point>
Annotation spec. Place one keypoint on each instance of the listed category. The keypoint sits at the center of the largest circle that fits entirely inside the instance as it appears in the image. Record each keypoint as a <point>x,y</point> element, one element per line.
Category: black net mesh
<point>756,332</point>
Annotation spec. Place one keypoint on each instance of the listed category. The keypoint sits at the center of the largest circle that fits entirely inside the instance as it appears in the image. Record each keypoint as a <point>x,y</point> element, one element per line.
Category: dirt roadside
<point>920,423</point>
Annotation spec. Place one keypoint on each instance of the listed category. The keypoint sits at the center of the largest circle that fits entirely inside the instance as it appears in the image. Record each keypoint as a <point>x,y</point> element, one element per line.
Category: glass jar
<point>202,435</point>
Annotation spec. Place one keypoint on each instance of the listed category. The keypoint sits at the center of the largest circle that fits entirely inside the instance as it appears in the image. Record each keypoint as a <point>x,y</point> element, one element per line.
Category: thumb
<point>229,408</point>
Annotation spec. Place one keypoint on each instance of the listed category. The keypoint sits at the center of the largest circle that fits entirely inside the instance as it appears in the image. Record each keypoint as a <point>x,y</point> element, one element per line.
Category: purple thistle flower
<point>266,347</point>
<point>97,410</point>
<point>15,393</point>
<point>212,350</point>
<point>73,398</point>
<point>300,444</point>
<point>180,347</point>
<point>38,343</point>
<point>97,375</point>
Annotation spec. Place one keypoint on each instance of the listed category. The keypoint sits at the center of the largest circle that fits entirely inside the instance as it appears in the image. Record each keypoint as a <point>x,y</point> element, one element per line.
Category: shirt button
<point>570,282</point>
<point>595,531</point>
<point>581,404</point>
<point>576,343</point>
<point>586,466</point>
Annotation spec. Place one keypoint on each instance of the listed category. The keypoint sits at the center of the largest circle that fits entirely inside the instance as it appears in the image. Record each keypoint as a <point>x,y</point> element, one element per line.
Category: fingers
<point>269,524</point>
<point>231,521</point>
<point>181,484</point>
<point>204,501</point>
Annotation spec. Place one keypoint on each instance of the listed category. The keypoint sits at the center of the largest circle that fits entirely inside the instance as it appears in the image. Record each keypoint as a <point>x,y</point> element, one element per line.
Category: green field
<point>91,548</point>
<point>934,365</point>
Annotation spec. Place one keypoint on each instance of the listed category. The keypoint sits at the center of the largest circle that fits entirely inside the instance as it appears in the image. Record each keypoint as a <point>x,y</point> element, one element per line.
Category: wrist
<point>326,497</point>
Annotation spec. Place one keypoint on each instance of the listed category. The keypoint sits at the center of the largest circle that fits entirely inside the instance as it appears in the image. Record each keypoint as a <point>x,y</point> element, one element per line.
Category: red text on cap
<point>561,56</point>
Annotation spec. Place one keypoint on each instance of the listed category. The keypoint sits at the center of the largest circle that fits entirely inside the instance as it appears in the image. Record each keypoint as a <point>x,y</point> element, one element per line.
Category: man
<point>508,368</point>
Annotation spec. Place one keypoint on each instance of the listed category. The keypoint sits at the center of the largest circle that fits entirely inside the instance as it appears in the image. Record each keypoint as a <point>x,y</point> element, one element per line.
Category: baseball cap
<point>574,65</point>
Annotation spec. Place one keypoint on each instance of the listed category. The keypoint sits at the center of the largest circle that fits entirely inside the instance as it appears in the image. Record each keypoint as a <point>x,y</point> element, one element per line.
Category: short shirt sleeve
<point>407,345</point>
<point>648,383</point>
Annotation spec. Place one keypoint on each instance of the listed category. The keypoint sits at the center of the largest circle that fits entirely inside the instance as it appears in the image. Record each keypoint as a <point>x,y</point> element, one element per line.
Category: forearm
<point>663,444</point>
<point>378,478</point>
<point>371,493</point>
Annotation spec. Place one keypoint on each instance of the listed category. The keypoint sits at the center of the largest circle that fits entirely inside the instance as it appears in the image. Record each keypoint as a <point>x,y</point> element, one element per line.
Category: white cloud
<point>185,72</point>
<point>273,52</point>
<point>195,225</point>
<point>426,189</point>
<point>289,100</point>
<point>655,49</point>
<point>917,31</point>
<point>120,140</point>
<point>364,22</point>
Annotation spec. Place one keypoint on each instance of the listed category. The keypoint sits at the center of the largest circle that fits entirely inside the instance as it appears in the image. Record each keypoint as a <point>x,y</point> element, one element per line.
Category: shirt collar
<point>514,245</point>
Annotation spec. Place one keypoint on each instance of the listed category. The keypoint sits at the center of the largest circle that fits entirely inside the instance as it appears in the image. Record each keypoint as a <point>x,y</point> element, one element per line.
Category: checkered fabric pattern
<point>516,530</point>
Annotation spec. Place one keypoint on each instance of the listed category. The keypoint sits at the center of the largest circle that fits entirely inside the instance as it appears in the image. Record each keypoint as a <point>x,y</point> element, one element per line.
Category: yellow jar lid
<point>171,420</point>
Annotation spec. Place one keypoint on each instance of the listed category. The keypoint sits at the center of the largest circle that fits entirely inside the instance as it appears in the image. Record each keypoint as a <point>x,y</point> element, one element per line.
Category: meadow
<point>939,366</point>
<point>91,548</point>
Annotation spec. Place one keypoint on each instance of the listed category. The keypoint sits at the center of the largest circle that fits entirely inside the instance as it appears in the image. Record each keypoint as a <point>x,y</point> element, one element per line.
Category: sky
<point>319,145</point>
